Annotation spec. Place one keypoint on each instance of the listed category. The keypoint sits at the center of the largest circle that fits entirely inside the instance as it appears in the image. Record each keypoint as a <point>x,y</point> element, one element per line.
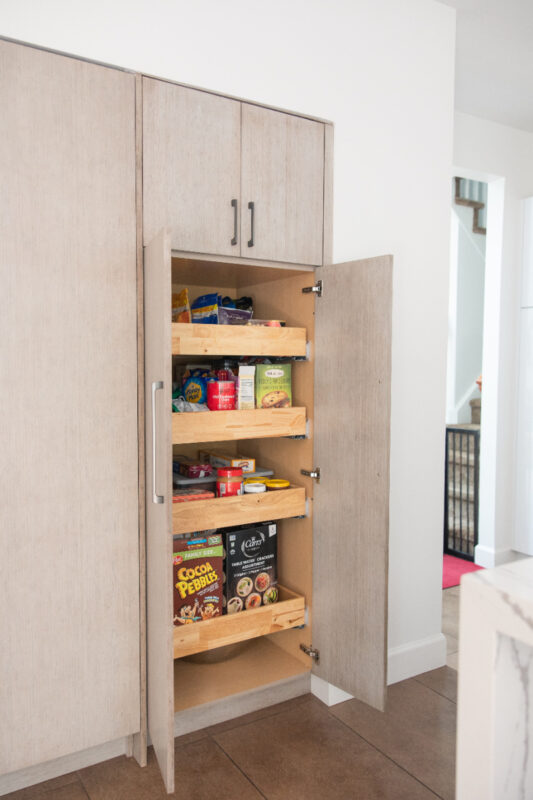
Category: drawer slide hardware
<point>310,651</point>
<point>316,289</point>
<point>315,473</point>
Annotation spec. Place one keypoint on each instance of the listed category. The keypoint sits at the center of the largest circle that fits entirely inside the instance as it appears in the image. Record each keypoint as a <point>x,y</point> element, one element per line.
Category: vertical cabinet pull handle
<point>156,498</point>
<point>235,214</point>
<point>251,206</point>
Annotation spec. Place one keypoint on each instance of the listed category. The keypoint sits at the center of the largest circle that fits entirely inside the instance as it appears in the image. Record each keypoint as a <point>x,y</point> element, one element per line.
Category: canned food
<point>221,395</point>
<point>277,483</point>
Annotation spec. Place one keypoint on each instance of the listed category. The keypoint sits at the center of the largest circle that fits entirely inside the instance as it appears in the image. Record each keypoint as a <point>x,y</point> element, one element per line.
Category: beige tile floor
<point>450,624</point>
<point>303,750</point>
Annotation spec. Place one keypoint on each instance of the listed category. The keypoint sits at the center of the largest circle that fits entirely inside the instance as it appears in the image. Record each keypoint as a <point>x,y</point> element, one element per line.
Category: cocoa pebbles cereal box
<point>251,567</point>
<point>198,579</point>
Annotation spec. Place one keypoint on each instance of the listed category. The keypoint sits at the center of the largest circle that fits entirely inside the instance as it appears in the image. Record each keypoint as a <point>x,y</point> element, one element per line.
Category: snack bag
<point>181,310</point>
<point>273,385</point>
<point>204,310</point>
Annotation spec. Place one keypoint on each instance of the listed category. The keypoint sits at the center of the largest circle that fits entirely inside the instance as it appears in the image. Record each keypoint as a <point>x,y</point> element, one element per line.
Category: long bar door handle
<point>235,216</point>
<point>156,498</point>
<point>251,206</point>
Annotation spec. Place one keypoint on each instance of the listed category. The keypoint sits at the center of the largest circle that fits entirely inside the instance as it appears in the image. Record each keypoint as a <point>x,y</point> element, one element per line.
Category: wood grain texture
<point>140,738</point>
<point>261,663</point>
<point>224,426</point>
<point>224,512</point>
<point>191,166</point>
<point>158,367</point>
<point>283,174</point>
<point>288,612</point>
<point>69,570</point>
<point>351,505</point>
<point>327,257</point>
<point>191,339</point>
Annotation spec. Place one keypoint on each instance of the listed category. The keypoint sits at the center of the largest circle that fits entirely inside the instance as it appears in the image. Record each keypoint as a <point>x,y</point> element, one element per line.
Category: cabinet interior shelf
<point>191,339</point>
<point>224,512</point>
<point>288,612</point>
<point>224,426</point>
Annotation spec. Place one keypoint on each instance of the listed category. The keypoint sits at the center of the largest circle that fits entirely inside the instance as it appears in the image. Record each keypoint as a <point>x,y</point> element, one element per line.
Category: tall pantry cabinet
<point>330,619</point>
<point>69,551</point>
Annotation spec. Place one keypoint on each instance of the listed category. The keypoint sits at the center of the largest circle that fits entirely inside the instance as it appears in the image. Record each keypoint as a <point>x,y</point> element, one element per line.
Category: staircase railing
<point>461,492</point>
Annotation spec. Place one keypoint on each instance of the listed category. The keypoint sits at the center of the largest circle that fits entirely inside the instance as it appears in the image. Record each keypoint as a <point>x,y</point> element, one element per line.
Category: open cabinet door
<point>351,499</point>
<point>158,393</point>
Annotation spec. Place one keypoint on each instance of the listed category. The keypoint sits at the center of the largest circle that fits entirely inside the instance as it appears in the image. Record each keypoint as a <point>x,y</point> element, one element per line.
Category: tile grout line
<point>247,777</point>
<point>85,789</point>
<point>435,690</point>
<point>266,716</point>
<point>373,746</point>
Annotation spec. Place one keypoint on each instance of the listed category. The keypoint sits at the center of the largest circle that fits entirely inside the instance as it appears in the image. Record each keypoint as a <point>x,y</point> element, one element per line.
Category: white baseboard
<point>489,557</point>
<point>61,766</point>
<point>329,694</point>
<point>416,657</point>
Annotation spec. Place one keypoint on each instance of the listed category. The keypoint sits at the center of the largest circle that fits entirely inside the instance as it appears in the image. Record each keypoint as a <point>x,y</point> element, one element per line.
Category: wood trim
<point>236,340</point>
<point>225,426</point>
<point>288,612</point>
<point>328,194</point>
<point>140,738</point>
<point>223,512</point>
<point>242,262</point>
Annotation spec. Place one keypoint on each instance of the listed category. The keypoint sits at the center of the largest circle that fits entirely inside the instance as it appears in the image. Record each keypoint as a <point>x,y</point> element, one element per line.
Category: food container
<point>186,495</point>
<point>229,482</point>
<point>273,484</point>
<point>250,567</point>
<point>221,395</point>
<point>254,487</point>
<point>198,578</point>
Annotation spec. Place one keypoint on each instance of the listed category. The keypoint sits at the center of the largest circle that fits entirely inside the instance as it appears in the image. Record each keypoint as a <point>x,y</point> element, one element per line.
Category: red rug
<point>453,568</point>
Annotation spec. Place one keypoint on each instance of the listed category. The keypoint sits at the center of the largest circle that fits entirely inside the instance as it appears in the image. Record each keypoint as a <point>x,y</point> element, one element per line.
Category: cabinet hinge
<point>316,289</point>
<point>310,651</point>
<point>315,473</point>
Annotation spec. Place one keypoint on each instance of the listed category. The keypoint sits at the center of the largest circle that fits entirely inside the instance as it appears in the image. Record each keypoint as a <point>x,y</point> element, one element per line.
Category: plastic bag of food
<point>204,309</point>
<point>181,310</point>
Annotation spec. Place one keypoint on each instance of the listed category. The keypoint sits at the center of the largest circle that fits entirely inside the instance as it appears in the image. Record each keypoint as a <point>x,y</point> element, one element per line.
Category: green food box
<point>273,385</point>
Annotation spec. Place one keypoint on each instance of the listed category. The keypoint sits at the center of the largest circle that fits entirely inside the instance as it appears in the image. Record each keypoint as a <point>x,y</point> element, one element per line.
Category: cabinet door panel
<point>351,501</point>
<point>158,393</point>
<point>283,175</point>
<point>191,167</point>
<point>69,565</point>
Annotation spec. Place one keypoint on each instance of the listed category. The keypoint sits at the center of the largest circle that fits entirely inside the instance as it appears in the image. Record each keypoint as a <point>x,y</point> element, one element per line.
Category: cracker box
<point>198,578</point>
<point>251,567</point>
<point>273,385</point>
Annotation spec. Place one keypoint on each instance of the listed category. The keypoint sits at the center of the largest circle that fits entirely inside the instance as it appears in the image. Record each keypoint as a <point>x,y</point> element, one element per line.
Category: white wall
<point>382,70</point>
<point>465,320</point>
<point>502,156</point>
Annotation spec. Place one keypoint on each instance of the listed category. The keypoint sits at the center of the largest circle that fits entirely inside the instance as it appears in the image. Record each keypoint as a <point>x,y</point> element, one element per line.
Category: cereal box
<point>198,578</point>
<point>251,567</point>
<point>273,385</point>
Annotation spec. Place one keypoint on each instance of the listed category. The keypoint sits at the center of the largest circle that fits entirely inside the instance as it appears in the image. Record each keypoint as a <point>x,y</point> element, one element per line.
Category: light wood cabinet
<point>69,538</point>
<point>191,167</point>
<point>282,186</point>
<point>332,534</point>
<point>230,178</point>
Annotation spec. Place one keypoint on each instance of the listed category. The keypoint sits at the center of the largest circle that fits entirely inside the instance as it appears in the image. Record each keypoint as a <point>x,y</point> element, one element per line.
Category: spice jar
<point>254,488</point>
<point>229,482</point>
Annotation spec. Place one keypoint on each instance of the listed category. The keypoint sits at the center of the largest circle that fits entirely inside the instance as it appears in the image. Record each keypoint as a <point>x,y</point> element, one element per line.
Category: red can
<point>229,482</point>
<point>221,395</point>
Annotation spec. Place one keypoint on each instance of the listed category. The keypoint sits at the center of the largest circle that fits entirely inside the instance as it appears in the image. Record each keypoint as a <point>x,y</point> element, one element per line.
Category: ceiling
<point>494,60</point>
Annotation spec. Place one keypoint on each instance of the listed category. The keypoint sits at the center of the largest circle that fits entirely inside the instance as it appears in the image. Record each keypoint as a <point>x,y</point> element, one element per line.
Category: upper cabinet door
<point>282,186</point>
<point>351,500</point>
<point>191,167</point>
